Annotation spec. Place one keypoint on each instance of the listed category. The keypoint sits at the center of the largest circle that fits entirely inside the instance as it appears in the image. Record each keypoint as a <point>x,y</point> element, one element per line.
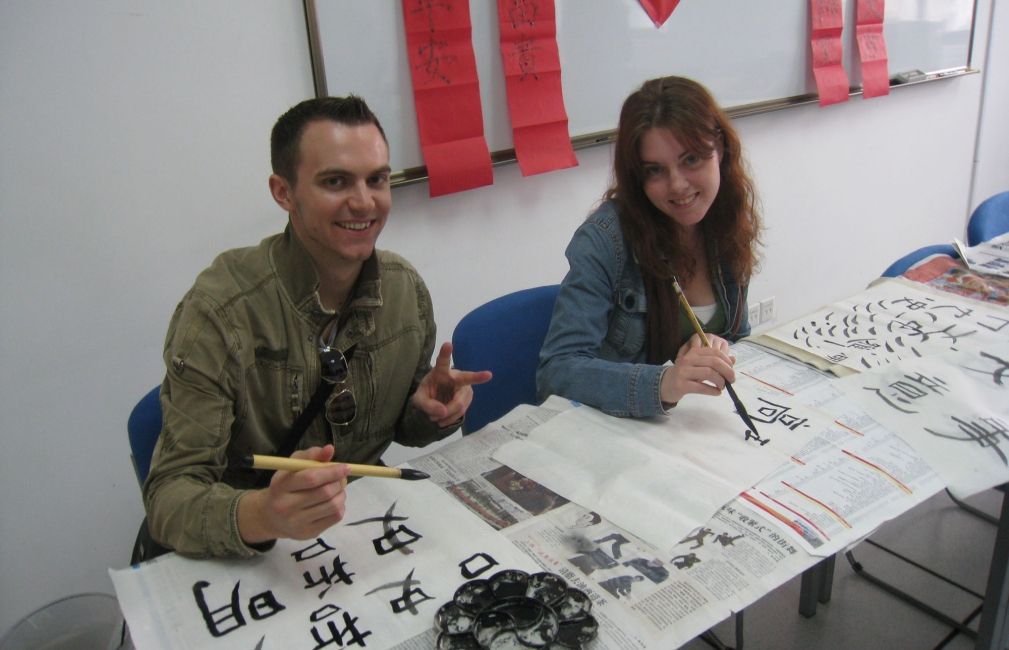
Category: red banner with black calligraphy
<point>446,94</point>
<point>532,71</point>
<point>872,48</point>
<point>827,22</point>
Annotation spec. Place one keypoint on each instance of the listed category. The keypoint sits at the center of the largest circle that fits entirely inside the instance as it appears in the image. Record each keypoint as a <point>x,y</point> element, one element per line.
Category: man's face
<point>341,198</point>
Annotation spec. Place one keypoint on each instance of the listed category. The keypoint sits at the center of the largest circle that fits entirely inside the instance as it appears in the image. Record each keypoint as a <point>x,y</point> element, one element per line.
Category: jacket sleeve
<point>189,509</point>
<point>570,362</point>
<point>415,428</point>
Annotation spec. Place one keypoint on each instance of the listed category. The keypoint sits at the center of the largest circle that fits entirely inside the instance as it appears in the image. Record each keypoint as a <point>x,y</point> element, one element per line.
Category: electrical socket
<point>767,313</point>
<point>754,314</point>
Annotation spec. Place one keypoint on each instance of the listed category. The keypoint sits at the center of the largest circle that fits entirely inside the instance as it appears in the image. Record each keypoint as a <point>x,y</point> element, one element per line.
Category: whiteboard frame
<point>418,174</point>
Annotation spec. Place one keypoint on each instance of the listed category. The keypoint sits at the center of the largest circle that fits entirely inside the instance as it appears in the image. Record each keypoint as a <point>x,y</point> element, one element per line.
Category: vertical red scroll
<point>446,94</point>
<point>825,40</point>
<point>872,48</point>
<point>532,70</point>
<point>659,10</point>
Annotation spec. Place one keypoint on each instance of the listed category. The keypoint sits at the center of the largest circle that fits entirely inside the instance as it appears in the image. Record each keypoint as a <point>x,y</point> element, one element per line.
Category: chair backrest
<point>906,262</point>
<point>144,427</point>
<point>504,336</point>
<point>989,219</point>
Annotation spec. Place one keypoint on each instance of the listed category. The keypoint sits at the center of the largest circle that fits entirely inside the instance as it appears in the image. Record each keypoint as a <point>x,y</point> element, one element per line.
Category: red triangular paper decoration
<point>659,10</point>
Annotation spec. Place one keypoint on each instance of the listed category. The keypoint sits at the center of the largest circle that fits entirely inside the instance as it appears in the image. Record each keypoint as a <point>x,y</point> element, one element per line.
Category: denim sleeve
<point>571,363</point>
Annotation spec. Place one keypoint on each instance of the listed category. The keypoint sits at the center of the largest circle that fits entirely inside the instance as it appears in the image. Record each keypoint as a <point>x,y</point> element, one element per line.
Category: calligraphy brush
<point>257,461</point>
<point>740,409</point>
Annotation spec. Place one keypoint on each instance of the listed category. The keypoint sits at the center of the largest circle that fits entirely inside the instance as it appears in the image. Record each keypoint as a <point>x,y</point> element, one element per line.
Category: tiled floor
<point>937,534</point>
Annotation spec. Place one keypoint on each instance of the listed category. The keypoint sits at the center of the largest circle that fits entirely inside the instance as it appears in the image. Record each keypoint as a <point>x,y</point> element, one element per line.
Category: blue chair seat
<point>909,260</point>
<point>989,219</point>
<point>504,336</point>
<point>144,427</point>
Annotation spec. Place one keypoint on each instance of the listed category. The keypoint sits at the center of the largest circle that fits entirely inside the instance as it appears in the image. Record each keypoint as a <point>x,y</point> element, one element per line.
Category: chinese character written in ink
<point>988,432</point>
<point>390,540</point>
<point>336,635</point>
<point>229,617</point>
<point>410,597</point>
<point>998,373</point>
<point>432,55</point>
<point>907,390</point>
<point>338,573</point>
<point>770,413</point>
<point>470,573</point>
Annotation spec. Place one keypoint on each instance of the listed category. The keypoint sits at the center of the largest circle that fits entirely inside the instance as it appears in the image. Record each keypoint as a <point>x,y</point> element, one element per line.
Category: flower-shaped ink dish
<point>513,609</point>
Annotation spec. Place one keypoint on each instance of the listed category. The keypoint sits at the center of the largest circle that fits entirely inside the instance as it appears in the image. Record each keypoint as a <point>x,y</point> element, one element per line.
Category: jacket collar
<point>300,281</point>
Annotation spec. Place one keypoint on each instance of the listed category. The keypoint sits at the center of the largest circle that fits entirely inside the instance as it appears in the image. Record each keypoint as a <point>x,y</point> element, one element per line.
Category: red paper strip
<point>446,95</point>
<point>532,70</point>
<point>872,48</point>
<point>827,23</point>
<point>659,10</point>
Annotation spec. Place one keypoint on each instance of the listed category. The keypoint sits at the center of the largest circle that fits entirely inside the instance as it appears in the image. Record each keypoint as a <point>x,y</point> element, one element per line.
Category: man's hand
<point>444,394</point>
<point>296,505</point>
<point>698,369</point>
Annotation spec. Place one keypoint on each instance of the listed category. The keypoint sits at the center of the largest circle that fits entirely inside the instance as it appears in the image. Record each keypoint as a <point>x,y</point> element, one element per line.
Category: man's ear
<point>282,192</point>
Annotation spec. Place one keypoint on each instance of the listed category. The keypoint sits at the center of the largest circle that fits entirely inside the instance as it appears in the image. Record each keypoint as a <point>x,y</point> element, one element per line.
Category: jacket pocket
<point>626,334</point>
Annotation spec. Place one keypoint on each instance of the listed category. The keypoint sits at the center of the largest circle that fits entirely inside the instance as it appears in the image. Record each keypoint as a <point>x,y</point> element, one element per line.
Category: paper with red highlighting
<point>532,71</point>
<point>825,40</point>
<point>872,48</point>
<point>446,94</point>
<point>659,10</point>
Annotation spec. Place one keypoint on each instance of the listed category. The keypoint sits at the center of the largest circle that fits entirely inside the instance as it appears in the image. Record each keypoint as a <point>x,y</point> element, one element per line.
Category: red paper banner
<point>825,40</point>
<point>446,95</point>
<point>659,10</point>
<point>532,70</point>
<point>872,48</point>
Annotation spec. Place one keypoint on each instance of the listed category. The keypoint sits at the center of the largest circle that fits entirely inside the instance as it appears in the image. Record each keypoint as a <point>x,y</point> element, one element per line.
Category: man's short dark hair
<point>285,139</point>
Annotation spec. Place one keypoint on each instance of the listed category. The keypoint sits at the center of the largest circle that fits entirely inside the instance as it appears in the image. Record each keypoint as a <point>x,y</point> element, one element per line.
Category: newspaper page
<point>643,597</point>
<point>990,257</point>
<point>848,479</point>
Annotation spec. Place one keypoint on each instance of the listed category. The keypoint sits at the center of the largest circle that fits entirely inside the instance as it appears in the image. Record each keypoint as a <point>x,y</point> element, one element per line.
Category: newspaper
<point>990,257</point>
<point>643,597</point>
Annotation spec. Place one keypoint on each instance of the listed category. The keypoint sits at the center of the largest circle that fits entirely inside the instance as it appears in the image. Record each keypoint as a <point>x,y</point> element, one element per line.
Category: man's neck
<point>336,283</point>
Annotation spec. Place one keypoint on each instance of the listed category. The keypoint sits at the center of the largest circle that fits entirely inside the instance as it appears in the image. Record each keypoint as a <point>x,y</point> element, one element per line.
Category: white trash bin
<point>78,622</point>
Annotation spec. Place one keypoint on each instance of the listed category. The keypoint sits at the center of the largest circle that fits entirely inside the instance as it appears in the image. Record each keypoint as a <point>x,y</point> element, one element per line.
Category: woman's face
<point>681,183</point>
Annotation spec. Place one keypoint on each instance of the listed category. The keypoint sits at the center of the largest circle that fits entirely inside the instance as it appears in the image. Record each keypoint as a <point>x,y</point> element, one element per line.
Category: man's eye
<point>379,181</point>
<point>333,181</point>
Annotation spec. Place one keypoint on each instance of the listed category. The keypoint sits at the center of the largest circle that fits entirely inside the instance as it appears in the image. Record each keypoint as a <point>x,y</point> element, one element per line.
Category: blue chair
<point>989,219</point>
<point>144,427</point>
<point>504,336</point>
<point>906,262</point>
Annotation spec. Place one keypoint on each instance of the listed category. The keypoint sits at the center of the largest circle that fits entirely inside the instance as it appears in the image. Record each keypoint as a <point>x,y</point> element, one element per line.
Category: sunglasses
<point>341,405</point>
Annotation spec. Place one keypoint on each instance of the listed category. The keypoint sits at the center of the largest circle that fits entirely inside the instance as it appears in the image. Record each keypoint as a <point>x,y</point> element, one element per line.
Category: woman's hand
<point>698,369</point>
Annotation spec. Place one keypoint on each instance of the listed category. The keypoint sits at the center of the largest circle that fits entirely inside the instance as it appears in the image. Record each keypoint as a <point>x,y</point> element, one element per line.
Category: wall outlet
<point>754,314</point>
<point>767,313</point>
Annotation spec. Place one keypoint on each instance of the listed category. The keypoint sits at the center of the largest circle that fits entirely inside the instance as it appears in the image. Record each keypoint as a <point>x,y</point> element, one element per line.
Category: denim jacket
<point>243,361</point>
<point>594,351</point>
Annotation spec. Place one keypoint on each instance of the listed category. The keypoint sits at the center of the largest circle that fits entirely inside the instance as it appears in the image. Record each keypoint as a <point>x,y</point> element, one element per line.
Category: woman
<point>681,205</point>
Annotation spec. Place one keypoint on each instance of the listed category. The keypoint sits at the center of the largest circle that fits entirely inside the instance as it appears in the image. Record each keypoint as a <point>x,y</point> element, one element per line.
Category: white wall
<point>991,172</point>
<point>135,147</point>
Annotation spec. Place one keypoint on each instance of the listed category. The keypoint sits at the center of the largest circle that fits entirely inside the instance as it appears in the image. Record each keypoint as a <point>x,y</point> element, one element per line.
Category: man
<point>264,326</point>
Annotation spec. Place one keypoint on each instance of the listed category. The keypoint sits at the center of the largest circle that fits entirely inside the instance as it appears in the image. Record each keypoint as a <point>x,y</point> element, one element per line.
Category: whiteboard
<point>745,51</point>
